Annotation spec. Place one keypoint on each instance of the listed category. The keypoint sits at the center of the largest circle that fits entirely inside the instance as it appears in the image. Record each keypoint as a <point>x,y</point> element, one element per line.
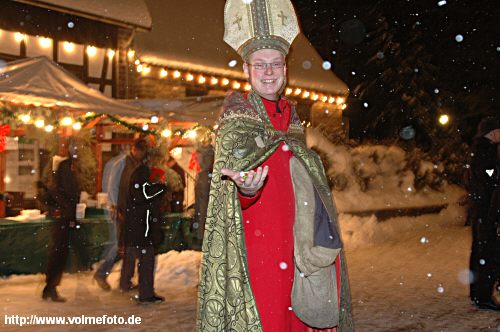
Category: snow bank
<point>362,232</point>
<point>375,177</point>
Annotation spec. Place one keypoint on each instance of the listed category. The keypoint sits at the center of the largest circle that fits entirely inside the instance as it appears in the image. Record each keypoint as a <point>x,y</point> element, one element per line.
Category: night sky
<point>406,61</point>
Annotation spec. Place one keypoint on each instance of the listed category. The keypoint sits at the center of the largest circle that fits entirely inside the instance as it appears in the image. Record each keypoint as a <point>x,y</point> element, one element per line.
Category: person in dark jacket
<point>62,209</point>
<point>494,219</point>
<point>118,183</point>
<point>484,179</point>
<point>142,231</point>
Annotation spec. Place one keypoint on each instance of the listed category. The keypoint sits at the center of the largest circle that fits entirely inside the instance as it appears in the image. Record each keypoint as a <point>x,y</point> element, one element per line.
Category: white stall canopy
<point>40,82</point>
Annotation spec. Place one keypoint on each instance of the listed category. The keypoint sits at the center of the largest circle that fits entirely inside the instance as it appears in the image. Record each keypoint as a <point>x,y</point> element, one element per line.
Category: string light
<point>25,118</point>
<point>45,42</point>
<point>145,127</point>
<point>191,134</point>
<point>154,119</point>
<point>66,121</point>
<point>166,133</point>
<point>111,54</point>
<point>19,37</point>
<point>236,85</point>
<point>39,123</point>
<point>131,54</point>
<point>68,47</point>
<point>91,51</point>
<point>49,128</point>
<point>77,126</point>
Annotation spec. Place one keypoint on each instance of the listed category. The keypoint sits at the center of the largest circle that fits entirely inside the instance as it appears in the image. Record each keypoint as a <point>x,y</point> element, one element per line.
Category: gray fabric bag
<point>314,292</point>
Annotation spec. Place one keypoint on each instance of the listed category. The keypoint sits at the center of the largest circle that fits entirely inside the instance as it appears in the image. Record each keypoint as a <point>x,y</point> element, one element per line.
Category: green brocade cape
<point>245,139</point>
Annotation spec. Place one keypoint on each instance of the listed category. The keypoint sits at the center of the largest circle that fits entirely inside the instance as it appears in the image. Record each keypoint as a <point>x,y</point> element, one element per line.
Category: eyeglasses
<point>264,66</point>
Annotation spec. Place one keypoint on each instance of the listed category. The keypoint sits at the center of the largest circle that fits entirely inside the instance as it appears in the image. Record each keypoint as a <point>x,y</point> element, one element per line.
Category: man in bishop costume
<point>272,253</point>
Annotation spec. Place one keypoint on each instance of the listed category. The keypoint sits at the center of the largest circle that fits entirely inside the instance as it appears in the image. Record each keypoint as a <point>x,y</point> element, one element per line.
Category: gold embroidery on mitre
<point>251,25</point>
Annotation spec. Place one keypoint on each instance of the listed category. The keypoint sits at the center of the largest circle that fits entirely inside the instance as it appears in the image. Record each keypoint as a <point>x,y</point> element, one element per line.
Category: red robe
<point>268,221</point>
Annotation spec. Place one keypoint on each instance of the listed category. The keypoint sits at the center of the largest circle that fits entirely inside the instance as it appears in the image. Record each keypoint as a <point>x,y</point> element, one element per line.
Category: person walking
<point>117,188</point>
<point>64,194</point>
<point>110,184</point>
<point>484,179</point>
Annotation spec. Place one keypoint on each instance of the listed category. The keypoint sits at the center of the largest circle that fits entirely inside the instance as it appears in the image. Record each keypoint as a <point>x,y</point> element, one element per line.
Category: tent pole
<point>3,162</point>
<point>98,154</point>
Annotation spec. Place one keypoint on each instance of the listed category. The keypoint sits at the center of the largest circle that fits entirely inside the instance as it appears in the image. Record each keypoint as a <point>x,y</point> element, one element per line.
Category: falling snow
<point>420,287</point>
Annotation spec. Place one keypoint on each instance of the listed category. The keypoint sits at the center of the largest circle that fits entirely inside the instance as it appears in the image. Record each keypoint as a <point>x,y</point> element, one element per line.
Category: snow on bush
<point>380,177</point>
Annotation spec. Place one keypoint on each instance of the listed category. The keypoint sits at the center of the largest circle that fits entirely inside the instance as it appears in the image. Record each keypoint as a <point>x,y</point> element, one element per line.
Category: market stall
<point>24,246</point>
<point>38,97</point>
<point>40,101</point>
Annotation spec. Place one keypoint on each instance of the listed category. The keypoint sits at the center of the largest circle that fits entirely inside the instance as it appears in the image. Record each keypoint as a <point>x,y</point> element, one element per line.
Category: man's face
<point>137,153</point>
<point>266,82</point>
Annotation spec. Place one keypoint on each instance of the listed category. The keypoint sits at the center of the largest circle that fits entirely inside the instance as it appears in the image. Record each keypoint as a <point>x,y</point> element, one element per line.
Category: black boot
<point>51,293</point>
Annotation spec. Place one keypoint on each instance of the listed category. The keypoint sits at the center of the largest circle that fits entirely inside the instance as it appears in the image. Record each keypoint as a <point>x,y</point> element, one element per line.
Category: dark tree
<point>376,46</point>
<point>407,62</point>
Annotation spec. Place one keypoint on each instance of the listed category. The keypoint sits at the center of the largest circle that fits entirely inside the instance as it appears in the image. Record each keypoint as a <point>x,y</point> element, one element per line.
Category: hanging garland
<point>131,126</point>
<point>11,115</point>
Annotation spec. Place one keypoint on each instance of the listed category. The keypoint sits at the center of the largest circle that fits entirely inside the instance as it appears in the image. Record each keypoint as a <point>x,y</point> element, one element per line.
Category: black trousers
<point>483,261</point>
<point>146,258</point>
<point>62,236</point>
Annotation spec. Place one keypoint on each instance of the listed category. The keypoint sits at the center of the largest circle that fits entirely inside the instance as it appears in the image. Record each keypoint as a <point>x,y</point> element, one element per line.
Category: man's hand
<point>249,183</point>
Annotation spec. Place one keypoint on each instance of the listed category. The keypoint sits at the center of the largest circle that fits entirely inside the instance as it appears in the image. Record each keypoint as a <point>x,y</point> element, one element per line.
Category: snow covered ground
<point>406,273</point>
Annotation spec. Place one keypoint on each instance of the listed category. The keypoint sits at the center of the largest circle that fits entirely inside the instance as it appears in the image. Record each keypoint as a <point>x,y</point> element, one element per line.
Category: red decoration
<point>157,175</point>
<point>194,165</point>
<point>4,131</point>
